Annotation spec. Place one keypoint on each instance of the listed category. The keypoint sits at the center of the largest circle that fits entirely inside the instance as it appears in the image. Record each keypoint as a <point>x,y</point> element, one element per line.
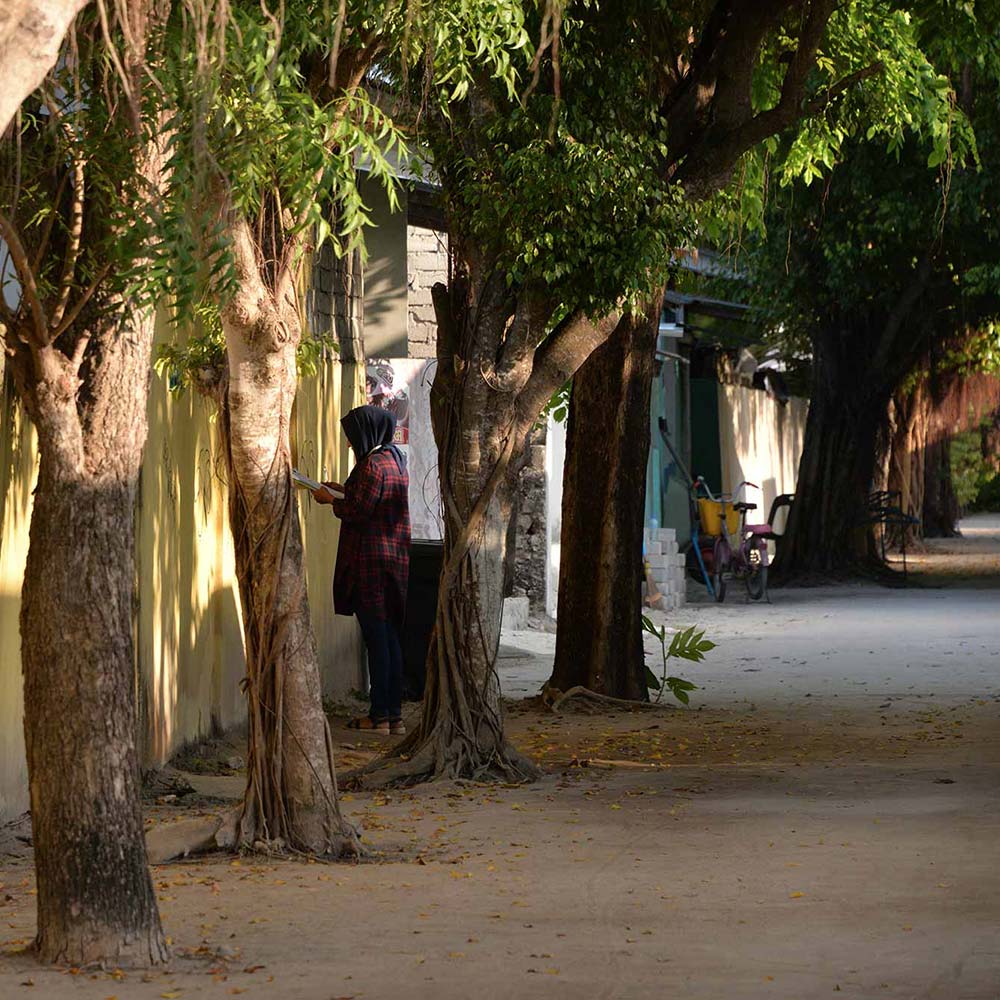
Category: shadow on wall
<point>194,692</point>
<point>190,643</point>
<point>319,449</point>
<point>13,766</point>
<point>760,441</point>
<point>18,472</point>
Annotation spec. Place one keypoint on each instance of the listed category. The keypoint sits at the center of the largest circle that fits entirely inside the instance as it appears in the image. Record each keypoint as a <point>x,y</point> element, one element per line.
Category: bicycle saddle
<point>742,505</point>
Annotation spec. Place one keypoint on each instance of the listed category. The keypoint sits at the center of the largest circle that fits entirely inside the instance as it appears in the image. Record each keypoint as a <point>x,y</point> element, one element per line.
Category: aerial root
<point>554,699</point>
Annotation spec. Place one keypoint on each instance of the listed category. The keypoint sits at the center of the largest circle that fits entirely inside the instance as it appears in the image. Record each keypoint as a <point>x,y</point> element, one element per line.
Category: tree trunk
<point>480,433</point>
<point>911,414</point>
<point>291,795</point>
<point>517,466</point>
<point>599,638</point>
<point>95,897</point>
<point>827,531</point>
<point>940,504</point>
<point>498,365</point>
<point>461,732</point>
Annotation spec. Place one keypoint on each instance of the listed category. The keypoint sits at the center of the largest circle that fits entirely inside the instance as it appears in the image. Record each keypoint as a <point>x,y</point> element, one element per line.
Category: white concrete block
<point>515,613</point>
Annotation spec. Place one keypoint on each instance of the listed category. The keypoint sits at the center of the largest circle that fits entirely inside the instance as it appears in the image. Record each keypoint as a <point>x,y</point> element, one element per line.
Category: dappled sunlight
<point>18,472</point>
<point>190,643</point>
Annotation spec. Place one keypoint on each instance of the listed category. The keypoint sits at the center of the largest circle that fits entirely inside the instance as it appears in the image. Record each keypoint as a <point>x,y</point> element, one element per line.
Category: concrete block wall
<point>426,264</point>
<point>530,507</point>
<point>666,566</point>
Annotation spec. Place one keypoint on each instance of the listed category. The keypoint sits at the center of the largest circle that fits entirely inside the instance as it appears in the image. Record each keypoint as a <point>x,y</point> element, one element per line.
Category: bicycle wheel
<point>720,566</point>
<point>756,577</point>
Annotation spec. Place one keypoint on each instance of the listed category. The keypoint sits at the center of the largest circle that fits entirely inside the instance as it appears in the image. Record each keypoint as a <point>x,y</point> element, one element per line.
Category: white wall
<point>555,459</point>
<point>760,441</point>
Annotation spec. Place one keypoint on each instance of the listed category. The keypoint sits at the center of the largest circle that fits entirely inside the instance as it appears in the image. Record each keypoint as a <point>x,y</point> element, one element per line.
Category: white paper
<point>304,482</point>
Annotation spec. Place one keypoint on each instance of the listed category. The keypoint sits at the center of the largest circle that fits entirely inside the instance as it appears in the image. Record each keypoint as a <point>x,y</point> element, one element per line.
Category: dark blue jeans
<point>385,667</point>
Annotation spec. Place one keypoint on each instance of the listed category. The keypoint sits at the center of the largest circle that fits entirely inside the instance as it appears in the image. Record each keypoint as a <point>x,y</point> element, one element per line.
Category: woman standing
<point>373,558</point>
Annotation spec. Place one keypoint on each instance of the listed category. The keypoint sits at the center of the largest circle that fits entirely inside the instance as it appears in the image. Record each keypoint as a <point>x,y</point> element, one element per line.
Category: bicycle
<point>749,560</point>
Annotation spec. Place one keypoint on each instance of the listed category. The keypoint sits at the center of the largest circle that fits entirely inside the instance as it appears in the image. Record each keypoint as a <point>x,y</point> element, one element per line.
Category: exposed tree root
<point>554,699</point>
<point>170,841</point>
<point>438,758</point>
<point>204,834</point>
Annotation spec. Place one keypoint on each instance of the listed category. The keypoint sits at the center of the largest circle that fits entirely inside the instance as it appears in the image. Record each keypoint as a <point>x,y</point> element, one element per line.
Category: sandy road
<point>824,821</point>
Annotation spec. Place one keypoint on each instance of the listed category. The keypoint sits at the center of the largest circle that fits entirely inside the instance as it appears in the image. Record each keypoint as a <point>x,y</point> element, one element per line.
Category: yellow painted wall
<point>18,468</point>
<point>189,639</point>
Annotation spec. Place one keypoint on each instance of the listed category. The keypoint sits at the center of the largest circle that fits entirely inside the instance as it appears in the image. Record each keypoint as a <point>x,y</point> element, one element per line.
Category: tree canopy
<point>902,230</point>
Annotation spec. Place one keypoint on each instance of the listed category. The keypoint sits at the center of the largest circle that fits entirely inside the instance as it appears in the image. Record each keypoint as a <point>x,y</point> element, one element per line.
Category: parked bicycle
<point>739,550</point>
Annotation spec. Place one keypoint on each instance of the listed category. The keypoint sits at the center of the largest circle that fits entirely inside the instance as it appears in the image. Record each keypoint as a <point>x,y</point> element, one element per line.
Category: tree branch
<point>26,276</point>
<point>43,243</point>
<point>824,100</point>
<point>788,108</point>
<point>557,360</point>
<point>733,130</point>
<point>33,33</point>
<point>71,316</point>
<point>250,285</point>
<point>524,333</point>
<point>73,246</point>
<point>447,339</point>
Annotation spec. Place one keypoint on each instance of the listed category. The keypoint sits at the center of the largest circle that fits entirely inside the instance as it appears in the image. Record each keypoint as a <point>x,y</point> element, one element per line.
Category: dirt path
<point>824,820</point>
<point>970,561</point>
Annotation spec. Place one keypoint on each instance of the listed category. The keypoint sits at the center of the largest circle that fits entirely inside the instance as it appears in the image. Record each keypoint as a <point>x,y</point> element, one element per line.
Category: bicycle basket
<point>710,515</point>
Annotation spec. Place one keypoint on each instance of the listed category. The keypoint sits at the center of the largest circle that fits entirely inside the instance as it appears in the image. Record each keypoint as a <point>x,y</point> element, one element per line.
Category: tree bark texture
<point>95,897</point>
<point>31,32</point>
<point>599,639</point>
<point>517,466</point>
<point>909,424</point>
<point>291,796</point>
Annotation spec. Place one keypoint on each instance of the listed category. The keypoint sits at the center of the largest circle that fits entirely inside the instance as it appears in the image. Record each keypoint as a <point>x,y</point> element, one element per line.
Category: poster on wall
<point>386,387</point>
<point>403,387</point>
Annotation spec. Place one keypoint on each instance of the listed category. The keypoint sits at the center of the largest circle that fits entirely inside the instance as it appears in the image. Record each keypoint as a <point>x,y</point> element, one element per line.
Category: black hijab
<point>369,428</point>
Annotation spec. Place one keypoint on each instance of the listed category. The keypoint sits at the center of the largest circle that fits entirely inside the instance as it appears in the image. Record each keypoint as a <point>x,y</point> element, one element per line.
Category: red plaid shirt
<point>373,557</point>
